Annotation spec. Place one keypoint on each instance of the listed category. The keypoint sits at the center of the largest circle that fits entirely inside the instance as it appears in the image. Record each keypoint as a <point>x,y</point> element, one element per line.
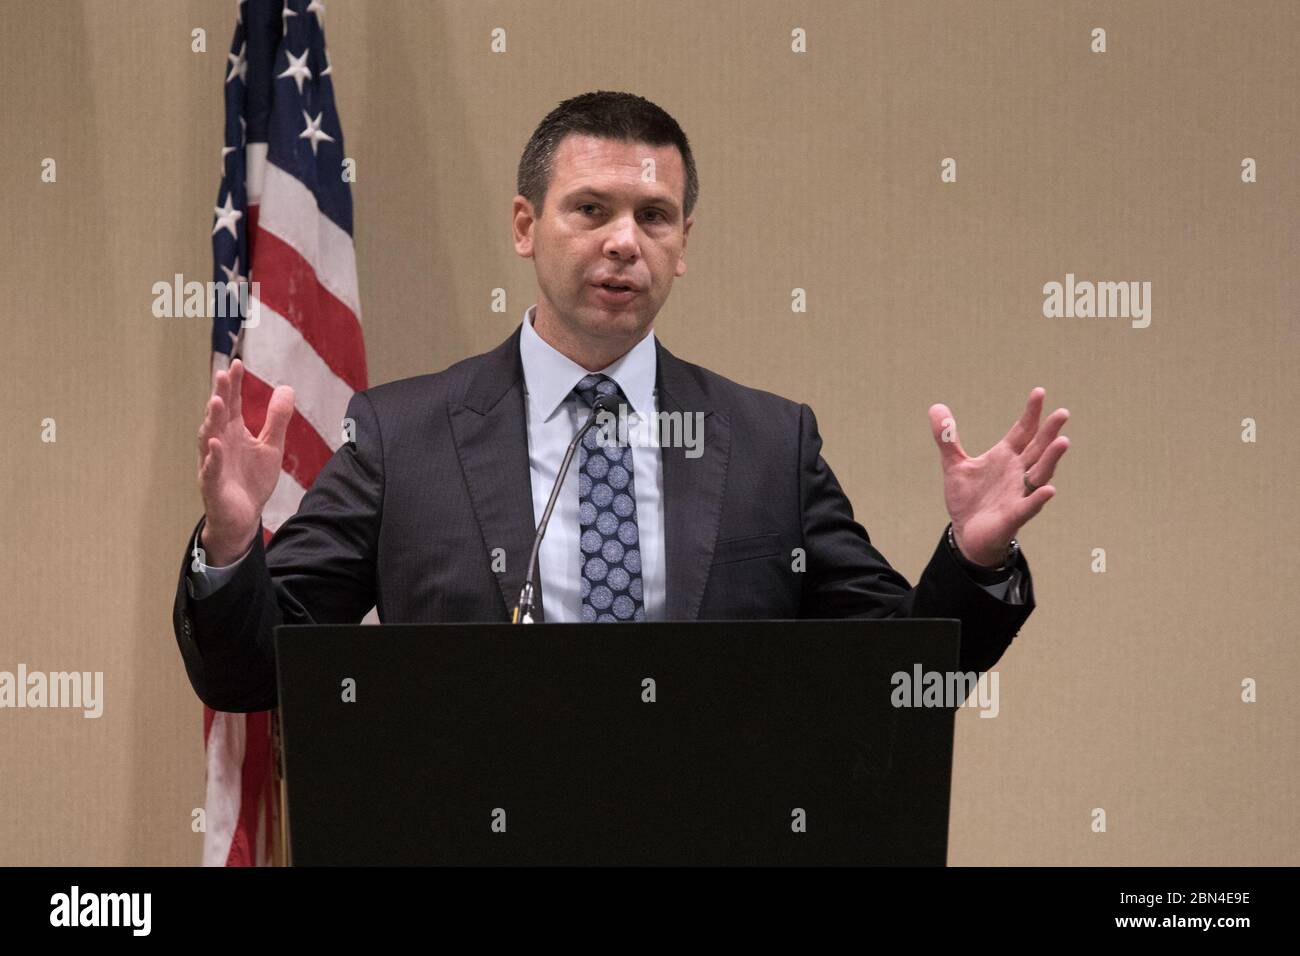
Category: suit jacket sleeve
<point>319,568</point>
<point>847,577</point>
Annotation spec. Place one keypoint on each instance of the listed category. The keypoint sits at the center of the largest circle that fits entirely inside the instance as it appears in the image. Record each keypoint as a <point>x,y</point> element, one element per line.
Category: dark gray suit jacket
<point>406,517</point>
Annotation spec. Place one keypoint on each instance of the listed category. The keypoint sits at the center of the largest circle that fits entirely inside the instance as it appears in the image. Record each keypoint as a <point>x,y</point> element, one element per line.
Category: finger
<point>211,468</point>
<point>221,384</point>
<point>236,397</point>
<point>1030,505</point>
<point>1043,469</point>
<point>213,422</point>
<point>278,412</point>
<point>205,429</point>
<point>1046,435</point>
<point>944,429</point>
<point>1022,432</point>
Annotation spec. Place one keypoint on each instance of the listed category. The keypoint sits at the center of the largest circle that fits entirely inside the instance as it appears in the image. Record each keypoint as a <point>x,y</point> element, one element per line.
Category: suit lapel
<point>693,487</point>
<point>490,430</point>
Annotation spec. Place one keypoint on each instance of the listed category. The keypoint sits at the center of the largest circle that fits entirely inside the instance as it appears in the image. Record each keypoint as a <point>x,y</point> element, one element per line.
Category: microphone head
<point>607,403</point>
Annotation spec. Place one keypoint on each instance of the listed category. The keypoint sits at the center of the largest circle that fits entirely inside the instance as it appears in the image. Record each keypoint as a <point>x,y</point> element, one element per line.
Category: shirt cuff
<point>202,580</point>
<point>1010,590</point>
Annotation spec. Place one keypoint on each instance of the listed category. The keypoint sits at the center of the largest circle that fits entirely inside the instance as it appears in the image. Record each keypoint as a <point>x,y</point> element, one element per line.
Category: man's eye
<point>586,205</point>
<point>655,212</point>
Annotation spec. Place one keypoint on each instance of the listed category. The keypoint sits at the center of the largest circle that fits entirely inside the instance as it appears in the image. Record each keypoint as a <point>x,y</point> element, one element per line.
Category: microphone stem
<point>524,610</point>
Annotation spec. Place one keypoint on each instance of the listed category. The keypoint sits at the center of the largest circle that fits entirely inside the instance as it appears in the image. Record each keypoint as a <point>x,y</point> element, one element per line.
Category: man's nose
<point>622,239</point>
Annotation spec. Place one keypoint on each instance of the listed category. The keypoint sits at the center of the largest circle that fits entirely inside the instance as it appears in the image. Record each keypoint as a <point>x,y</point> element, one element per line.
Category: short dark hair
<point>608,115</point>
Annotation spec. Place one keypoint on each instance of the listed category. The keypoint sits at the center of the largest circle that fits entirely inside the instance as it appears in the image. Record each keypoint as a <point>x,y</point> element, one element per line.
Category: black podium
<point>696,743</point>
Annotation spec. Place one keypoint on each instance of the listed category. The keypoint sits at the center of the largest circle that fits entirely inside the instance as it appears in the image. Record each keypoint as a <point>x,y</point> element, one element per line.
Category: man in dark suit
<point>429,513</point>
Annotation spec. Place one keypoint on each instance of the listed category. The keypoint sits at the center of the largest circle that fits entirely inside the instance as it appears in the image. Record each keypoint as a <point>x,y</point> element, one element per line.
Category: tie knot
<point>596,384</point>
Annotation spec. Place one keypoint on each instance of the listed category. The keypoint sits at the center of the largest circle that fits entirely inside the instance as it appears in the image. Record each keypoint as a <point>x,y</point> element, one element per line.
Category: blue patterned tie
<point>609,544</point>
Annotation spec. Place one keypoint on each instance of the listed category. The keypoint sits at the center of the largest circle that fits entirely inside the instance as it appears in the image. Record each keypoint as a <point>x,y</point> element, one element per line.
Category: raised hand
<point>990,497</point>
<point>237,470</point>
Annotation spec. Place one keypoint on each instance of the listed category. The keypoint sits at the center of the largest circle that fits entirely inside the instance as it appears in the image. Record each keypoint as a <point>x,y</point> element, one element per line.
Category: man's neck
<point>592,356</point>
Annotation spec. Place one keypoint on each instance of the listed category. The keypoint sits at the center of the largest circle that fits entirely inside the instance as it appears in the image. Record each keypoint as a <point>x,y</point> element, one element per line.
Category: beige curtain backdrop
<point>821,171</point>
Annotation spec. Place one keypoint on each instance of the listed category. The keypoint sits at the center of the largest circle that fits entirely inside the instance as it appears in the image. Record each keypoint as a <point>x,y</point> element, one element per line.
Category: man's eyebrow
<point>660,199</point>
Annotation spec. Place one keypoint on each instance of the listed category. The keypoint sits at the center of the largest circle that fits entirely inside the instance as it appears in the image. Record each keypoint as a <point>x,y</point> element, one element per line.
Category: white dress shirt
<point>555,414</point>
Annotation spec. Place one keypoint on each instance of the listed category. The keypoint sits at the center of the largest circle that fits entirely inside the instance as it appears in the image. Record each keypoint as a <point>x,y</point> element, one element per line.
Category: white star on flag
<point>313,131</point>
<point>230,294</point>
<point>238,64</point>
<point>232,275</point>
<point>227,216</point>
<point>297,68</point>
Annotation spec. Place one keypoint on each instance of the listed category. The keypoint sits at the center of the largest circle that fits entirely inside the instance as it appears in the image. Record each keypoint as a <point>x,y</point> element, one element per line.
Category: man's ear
<point>522,222</point>
<point>681,258</point>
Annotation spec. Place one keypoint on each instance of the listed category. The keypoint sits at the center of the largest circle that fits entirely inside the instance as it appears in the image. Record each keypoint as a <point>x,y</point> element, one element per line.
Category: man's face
<point>604,220</point>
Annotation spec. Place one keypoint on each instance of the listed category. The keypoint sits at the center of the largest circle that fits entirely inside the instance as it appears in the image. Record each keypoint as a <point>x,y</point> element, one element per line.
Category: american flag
<point>283,223</point>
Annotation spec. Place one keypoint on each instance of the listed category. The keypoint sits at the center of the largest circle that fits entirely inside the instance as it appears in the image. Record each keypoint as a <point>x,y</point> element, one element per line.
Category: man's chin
<point>613,322</point>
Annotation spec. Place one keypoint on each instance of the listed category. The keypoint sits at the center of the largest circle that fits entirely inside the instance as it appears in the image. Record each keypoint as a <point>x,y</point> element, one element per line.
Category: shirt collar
<point>549,375</point>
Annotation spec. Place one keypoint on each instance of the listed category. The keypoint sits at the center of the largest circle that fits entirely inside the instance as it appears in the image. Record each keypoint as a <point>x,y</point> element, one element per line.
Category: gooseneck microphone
<point>524,610</point>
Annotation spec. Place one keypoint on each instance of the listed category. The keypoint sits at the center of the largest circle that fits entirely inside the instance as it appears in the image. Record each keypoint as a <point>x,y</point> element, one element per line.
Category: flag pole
<point>279,797</point>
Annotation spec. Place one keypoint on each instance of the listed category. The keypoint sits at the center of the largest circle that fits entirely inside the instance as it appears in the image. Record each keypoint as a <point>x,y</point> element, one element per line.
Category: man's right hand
<point>237,471</point>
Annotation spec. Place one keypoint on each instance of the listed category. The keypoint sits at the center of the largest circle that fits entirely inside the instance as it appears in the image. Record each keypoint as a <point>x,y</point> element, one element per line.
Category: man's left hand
<point>987,497</point>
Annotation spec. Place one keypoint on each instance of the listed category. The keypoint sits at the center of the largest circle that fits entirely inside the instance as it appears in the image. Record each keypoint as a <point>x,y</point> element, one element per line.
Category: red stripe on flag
<point>288,285</point>
<point>250,229</point>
